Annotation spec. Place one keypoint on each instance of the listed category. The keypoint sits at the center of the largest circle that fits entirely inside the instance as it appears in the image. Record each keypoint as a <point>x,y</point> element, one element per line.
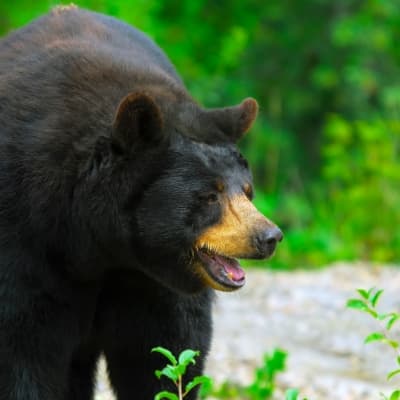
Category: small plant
<point>292,394</point>
<point>263,385</point>
<point>175,372</point>
<point>367,302</point>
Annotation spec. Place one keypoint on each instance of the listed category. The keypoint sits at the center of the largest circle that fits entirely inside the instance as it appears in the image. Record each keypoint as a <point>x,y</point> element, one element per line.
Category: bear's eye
<point>248,191</point>
<point>209,198</point>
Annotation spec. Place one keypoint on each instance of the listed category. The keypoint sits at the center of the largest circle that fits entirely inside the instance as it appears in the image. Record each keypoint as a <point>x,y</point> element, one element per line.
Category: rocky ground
<point>304,313</point>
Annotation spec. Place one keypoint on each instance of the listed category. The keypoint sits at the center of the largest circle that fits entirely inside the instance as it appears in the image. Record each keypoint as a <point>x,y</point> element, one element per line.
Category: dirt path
<point>304,313</point>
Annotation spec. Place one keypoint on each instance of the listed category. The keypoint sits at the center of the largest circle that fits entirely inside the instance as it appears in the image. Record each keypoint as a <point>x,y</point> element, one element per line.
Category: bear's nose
<point>267,239</point>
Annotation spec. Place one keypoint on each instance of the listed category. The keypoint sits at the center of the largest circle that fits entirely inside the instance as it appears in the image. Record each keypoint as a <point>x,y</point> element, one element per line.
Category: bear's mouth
<point>224,272</point>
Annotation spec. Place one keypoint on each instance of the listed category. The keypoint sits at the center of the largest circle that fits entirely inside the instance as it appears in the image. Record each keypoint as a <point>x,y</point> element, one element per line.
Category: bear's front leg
<point>34,356</point>
<point>20,380</point>
<point>43,321</point>
<point>136,315</point>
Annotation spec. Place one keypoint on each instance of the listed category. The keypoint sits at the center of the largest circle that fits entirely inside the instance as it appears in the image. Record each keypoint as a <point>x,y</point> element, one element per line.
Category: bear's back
<point>67,28</point>
<point>63,76</point>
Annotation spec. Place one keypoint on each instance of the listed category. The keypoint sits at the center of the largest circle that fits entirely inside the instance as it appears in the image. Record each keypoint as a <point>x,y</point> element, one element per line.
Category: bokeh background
<point>325,151</point>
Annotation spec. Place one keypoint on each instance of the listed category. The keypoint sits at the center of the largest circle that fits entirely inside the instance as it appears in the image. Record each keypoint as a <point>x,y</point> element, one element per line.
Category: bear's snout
<point>265,240</point>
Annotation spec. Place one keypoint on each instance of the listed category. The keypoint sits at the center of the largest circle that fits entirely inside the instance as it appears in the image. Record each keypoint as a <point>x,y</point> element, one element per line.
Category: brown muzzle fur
<point>243,231</point>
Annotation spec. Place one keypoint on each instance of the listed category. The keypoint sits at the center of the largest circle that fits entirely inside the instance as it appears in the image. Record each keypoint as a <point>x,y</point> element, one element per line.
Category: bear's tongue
<point>224,270</point>
<point>231,267</point>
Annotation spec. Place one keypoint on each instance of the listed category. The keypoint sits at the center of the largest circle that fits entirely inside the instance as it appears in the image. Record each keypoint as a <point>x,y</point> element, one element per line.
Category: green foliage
<point>262,388</point>
<point>292,394</point>
<point>175,372</point>
<point>326,75</point>
<point>362,173</point>
<point>367,302</point>
<point>263,385</point>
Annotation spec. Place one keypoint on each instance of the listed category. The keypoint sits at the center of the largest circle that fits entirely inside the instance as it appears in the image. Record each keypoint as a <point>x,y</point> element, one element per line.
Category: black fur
<point>103,191</point>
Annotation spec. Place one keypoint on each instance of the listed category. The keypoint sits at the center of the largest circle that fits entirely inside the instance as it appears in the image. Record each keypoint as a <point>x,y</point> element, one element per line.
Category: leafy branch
<point>175,372</point>
<point>367,302</point>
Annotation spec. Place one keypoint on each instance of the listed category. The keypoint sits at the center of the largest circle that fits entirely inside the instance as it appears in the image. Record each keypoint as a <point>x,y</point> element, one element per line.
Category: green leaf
<point>181,369</point>
<point>291,394</point>
<point>363,293</point>
<point>166,353</point>
<point>357,304</point>
<point>395,395</point>
<point>392,320</point>
<point>187,357</point>
<point>206,390</point>
<point>166,395</point>
<point>375,297</point>
<point>157,373</point>
<point>382,317</point>
<point>198,380</point>
<point>392,374</point>
<point>276,362</point>
<point>169,371</point>
<point>373,337</point>
<point>392,343</point>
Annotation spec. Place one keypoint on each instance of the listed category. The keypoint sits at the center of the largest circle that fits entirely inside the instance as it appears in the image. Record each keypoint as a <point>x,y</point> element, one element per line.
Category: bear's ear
<point>235,121</point>
<point>138,123</point>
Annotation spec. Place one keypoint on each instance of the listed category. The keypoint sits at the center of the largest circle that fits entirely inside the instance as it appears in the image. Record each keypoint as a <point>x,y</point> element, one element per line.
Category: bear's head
<point>178,194</point>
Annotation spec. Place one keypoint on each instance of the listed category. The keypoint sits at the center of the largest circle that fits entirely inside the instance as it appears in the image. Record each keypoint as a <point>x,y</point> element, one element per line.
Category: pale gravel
<point>304,313</point>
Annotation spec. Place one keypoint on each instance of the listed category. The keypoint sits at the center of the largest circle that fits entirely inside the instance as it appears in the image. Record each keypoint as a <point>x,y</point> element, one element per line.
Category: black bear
<point>123,205</point>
